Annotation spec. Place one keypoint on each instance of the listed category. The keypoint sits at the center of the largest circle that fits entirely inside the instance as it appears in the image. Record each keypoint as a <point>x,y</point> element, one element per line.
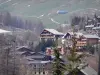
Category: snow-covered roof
<point>78,34</point>
<point>98,23</point>
<point>29,59</point>
<point>54,31</point>
<point>71,33</point>
<point>21,47</point>
<point>96,27</point>
<point>91,36</point>
<point>65,35</point>
<point>45,61</point>
<point>64,25</point>
<point>89,26</point>
<point>4,31</point>
<point>42,62</point>
<point>88,71</point>
<point>89,20</point>
<point>98,16</point>
<point>20,52</point>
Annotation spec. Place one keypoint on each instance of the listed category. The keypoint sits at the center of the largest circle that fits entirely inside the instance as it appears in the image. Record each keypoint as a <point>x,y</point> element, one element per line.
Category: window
<point>35,72</point>
<point>34,65</point>
<point>39,72</point>
<point>43,72</point>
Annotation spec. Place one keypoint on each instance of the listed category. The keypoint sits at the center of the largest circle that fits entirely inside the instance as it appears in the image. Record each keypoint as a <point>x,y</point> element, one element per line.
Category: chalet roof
<point>71,33</point>
<point>66,35</point>
<point>98,23</point>
<point>38,53</point>
<point>85,71</point>
<point>4,31</point>
<point>54,31</point>
<point>42,62</point>
<point>98,16</point>
<point>78,34</point>
<point>89,71</point>
<point>39,58</point>
<point>89,26</point>
<point>22,49</point>
<point>91,36</point>
<point>96,27</point>
<point>27,53</point>
<point>36,56</point>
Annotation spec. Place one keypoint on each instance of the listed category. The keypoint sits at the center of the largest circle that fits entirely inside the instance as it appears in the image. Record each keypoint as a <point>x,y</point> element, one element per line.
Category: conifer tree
<point>74,60</point>
<point>58,64</point>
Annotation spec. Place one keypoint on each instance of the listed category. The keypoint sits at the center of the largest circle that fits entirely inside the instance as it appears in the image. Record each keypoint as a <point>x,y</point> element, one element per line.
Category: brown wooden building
<point>50,34</point>
<point>92,39</point>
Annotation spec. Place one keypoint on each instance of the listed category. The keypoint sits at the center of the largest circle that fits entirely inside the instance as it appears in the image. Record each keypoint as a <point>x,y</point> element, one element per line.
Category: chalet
<point>50,51</point>
<point>67,36</point>
<point>40,63</point>
<point>68,39</point>
<point>91,39</point>
<point>86,39</point>
<point>70,34</point>
<point>81,43</point>
<point>50,34</point>
<point>82,39</point>
<point>96,30</point>
<point>89,28</point>
<point>24,49</point>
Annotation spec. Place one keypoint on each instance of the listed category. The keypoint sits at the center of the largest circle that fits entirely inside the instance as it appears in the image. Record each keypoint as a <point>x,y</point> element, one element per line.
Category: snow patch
<point>54,21</point>
<point>4,31</point>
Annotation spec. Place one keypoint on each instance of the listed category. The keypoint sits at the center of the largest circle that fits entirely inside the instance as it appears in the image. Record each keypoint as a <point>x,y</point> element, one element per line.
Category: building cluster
<point>93,30</point>
<point>41,63</point>
<point>66,39</point>
<point>93,25</point>
<point>38,62</point>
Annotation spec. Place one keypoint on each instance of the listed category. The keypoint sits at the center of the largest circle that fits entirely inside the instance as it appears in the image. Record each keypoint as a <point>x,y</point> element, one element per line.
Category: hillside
<point>25,31</point>
<point>46,9</point>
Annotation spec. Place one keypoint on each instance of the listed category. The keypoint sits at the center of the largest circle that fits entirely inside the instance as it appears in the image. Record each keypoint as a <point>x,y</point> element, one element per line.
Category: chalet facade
<point>96,30</point>
<point>82,39</point>
<point>51,34</point>
<point>92,39</point>
<point>50,51</point>
<point>81,43</point>
<point>68,39</point>
<point>87,39</point>
<point>89,28</point>
<point>38,62</point>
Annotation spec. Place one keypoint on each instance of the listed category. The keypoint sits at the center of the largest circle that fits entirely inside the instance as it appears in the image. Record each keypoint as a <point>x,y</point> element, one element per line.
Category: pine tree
<point>74,60</point>
<point>58,64</point>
